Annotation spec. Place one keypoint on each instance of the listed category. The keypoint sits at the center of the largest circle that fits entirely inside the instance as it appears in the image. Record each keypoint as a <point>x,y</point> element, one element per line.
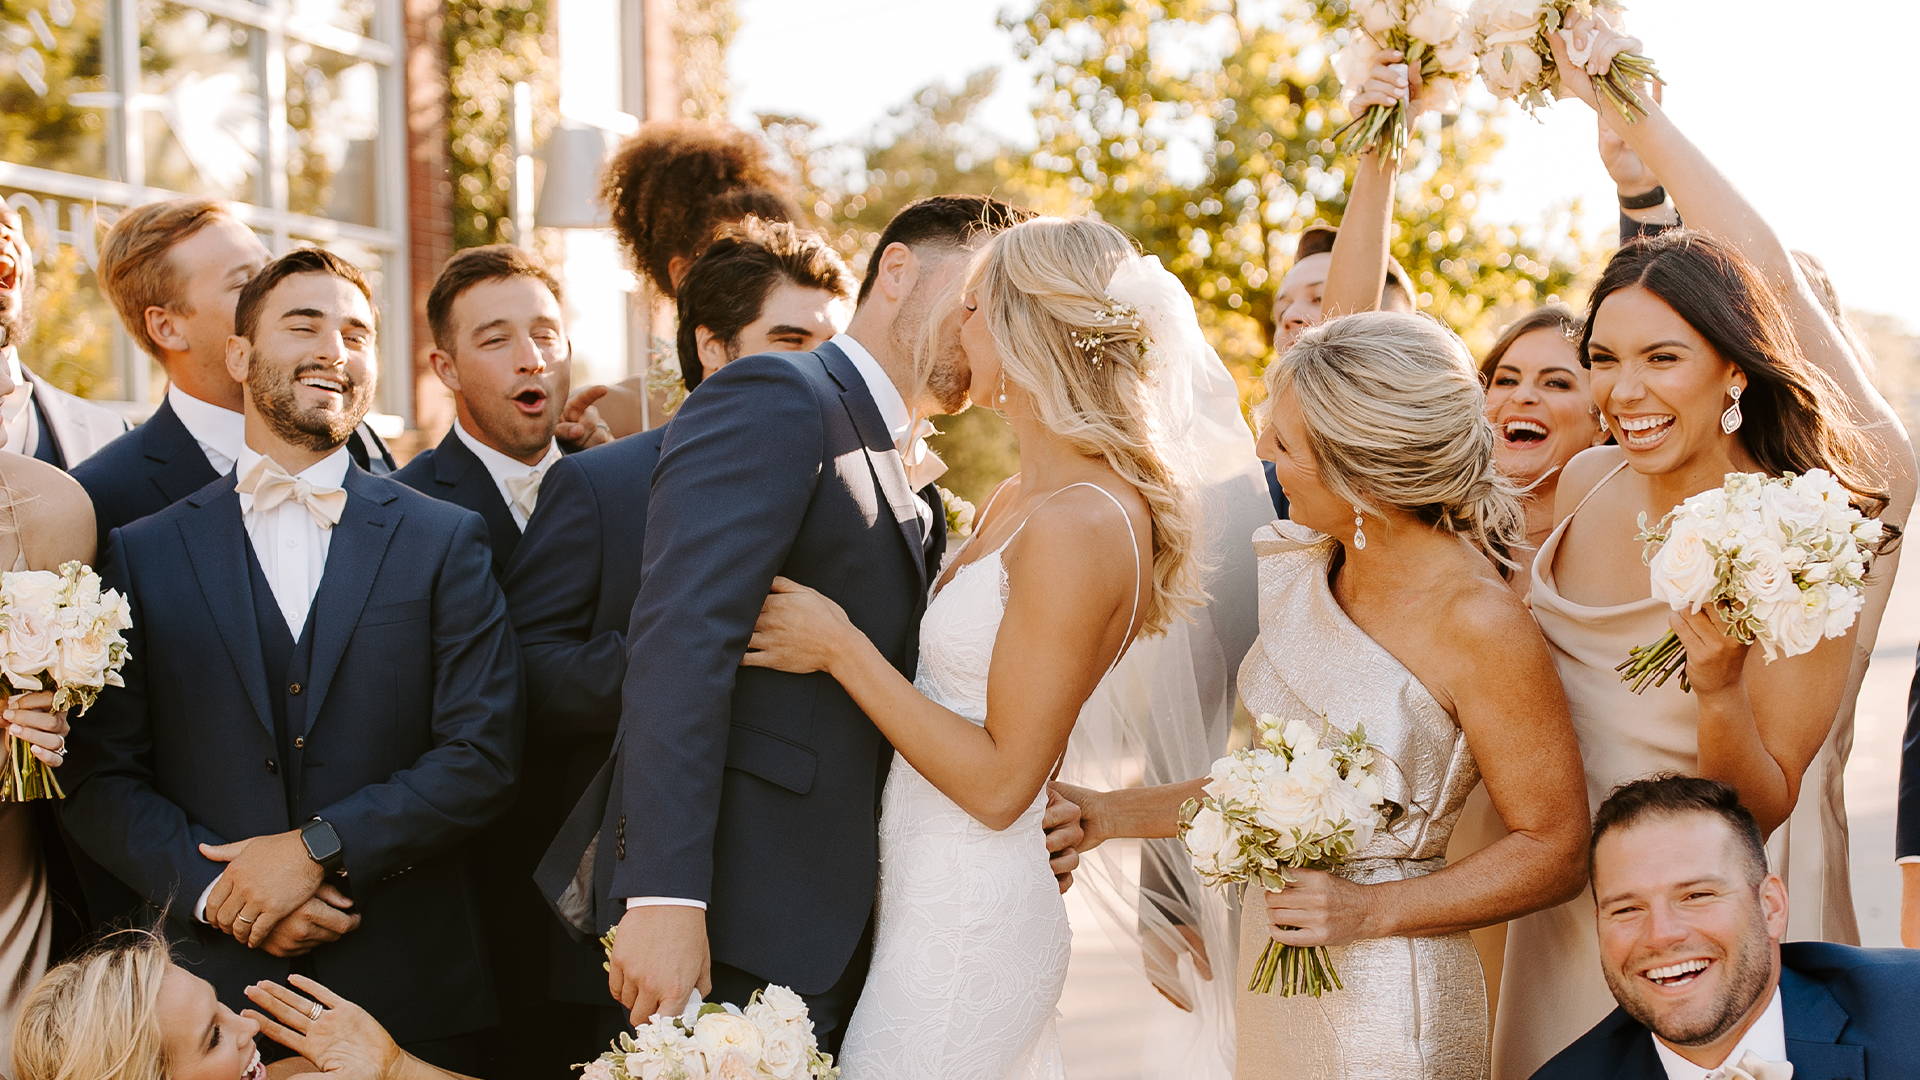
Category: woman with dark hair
<point>1708,354</point>
<point>1541,411</point>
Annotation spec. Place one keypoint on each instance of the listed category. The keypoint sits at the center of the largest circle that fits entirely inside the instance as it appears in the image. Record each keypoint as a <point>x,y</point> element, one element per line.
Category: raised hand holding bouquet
<point>771,1039</point>
<point>59,632</point>
<point>1285,803</point>
<point>1514,39</point>
<point>1781,561</point>
<point>1431,37</point>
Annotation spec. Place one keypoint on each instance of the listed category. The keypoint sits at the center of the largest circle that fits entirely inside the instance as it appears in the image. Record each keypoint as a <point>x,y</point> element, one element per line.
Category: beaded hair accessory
<point>1110,319</point>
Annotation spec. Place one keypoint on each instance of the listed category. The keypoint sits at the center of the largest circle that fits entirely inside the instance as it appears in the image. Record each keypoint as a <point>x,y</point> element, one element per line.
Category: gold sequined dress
<point>1413,1008</point>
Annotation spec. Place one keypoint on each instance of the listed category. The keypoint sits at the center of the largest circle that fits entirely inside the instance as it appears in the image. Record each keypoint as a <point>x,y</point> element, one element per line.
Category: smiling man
<point>1690,922</point>
<point>500,346</point>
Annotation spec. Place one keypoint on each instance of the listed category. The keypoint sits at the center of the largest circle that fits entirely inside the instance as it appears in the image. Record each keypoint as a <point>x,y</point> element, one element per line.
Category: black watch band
<point>323,846</point>
<point>1644,201</point>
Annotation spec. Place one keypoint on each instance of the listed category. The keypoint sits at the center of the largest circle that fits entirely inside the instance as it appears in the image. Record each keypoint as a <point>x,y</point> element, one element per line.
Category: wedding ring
<point>314,1013</point>
<point>243,919</point>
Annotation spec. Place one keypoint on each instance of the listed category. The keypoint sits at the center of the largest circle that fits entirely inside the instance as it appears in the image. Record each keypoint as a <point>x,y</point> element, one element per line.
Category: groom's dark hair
<point>942,221</point>
<point>1667,794</point>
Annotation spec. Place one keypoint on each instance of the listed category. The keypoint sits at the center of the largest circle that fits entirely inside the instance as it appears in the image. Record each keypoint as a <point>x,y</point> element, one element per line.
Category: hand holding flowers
<point>1403,55</point>
<point>60,640</point>
<point>1532,50</point>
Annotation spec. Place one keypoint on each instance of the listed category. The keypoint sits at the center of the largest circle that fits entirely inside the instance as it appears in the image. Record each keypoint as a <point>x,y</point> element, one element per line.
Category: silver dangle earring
<point>1002,398</point>
<point>1731,419</point>
<point>1359,531</point>
<point>1604,429</point>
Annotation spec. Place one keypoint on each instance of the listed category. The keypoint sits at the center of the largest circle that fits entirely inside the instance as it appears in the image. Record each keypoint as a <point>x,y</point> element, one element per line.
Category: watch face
<point>322,842</point>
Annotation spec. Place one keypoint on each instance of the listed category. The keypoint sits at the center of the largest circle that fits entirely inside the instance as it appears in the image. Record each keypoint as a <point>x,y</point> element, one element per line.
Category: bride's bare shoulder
<point>50,509</point>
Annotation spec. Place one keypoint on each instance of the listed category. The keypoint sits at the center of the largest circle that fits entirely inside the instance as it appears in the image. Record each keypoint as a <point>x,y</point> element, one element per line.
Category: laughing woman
<point>1708,353</point>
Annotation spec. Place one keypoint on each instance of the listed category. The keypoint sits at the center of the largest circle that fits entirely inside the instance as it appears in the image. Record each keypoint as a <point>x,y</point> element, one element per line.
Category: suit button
<point>272,766</point>
<point>299,742</point>
<point>294,688</point>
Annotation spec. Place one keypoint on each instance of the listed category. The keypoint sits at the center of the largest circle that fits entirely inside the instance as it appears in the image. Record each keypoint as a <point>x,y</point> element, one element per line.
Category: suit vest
<point>286,662</point>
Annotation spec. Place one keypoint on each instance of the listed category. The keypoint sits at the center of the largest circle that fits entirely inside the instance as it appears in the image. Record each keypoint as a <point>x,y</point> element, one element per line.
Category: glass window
<point>69,339</point>
<point>55,104</point>
<point>333,116</point>
<point>351,15</point>
<point>200,106</point>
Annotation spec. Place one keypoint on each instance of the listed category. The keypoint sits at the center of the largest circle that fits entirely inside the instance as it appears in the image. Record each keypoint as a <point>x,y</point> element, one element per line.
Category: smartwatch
<point>1646,200</point>
<point>323,846</point>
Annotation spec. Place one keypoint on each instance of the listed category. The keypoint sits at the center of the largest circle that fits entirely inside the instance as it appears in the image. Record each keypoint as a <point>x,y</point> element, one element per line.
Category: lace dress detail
<point>971,938</point>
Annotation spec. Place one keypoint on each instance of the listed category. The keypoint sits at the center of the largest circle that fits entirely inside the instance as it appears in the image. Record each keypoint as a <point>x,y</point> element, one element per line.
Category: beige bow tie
<point>270,485</point>
<point>1752,1066</point>
<point>524,490</point>
<point>923,465</point>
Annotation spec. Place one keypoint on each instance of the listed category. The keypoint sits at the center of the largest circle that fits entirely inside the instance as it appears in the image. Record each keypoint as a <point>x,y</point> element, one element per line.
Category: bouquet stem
<point>1381,126</point>
<point>1653,665</point>
<point>25,778</point>
<point>1622,84</point>
<point>1298,969</point>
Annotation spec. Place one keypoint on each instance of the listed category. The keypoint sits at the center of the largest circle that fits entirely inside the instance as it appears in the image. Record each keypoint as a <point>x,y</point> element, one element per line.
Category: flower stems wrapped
<point>59,631</point>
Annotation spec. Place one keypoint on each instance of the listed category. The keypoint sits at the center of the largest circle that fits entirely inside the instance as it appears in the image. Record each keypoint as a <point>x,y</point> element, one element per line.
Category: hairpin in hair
<point>1110,318</point>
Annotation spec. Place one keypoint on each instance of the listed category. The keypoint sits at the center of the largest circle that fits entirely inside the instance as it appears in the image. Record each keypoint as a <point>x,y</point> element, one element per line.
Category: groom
<point>738,843</point>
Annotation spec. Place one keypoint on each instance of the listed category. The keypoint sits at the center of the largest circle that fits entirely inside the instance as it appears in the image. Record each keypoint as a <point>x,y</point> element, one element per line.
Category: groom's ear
<point>899,271</point>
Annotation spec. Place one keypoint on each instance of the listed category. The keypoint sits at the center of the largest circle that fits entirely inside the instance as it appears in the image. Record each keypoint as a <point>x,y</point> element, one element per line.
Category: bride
<point>1090,546</point>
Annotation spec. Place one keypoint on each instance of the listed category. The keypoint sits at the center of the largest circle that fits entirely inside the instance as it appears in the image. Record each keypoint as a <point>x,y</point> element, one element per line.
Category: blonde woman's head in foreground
<point>1382,413</point>
<point>125,1011</point>
<point>1044,340</point>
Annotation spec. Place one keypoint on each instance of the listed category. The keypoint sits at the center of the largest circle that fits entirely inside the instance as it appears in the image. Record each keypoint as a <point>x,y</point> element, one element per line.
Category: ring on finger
<point>245,919</point>
<point>315,1012</point>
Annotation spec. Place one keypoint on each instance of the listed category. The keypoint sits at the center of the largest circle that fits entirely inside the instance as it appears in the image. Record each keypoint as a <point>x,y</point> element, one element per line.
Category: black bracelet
<point>1645,201</point>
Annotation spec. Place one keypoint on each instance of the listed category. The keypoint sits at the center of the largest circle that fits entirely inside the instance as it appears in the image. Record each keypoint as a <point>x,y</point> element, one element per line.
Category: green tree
<point>491,45</point>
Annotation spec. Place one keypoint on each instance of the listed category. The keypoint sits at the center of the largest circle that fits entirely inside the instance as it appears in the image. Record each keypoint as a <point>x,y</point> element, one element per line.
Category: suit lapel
<point>354,553</point>
<point>216,542</point>
<point>1814,1021</point>
<point>468,483</point>
<point>889,472</point>
<point>183,465</point>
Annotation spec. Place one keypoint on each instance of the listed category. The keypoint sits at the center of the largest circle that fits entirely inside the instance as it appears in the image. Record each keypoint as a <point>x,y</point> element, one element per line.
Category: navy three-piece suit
<point>394,715</point>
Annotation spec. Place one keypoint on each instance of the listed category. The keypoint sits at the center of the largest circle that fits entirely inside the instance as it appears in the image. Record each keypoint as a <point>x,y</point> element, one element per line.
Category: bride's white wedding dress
<point>970,938</point>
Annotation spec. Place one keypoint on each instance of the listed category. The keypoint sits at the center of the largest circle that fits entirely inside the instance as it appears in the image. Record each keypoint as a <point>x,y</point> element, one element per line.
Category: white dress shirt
<point>220,432</point>
<point>1767,1038</point>
<point>20,418</point>
<point>503,468</point>
<point>894,414</point>
<point>290,544</point>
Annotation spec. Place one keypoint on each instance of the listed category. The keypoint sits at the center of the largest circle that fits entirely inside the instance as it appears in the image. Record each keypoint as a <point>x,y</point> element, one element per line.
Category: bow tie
<point>270,485</point>
<point>1752,1066</point>
<point>524,490</point>
<point>923,465</point>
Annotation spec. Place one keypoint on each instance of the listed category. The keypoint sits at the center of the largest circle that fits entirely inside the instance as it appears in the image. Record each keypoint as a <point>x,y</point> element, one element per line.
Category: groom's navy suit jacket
<point>397,719</point>
<point>752,790</point>
<point>1849,1013</point>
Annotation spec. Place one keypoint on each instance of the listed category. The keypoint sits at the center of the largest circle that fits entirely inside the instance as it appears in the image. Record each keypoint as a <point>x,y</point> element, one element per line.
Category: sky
<point>1810,116</point>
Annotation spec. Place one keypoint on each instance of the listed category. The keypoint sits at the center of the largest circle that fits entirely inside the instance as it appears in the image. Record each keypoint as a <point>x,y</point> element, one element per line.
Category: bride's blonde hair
<point>96,1018</point>
<point>1042,285</point>
<point>1396,418</point>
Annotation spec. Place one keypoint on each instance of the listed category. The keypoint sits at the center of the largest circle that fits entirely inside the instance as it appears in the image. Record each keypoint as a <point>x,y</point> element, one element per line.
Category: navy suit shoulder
<point>1877,989</point>
<point>1605,1052</point>
<point>143,471</point>
<point>452,473</point>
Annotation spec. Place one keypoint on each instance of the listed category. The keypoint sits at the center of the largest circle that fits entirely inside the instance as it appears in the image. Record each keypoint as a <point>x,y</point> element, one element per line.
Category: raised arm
<point>1357,274</point>
<point>1710,202</point>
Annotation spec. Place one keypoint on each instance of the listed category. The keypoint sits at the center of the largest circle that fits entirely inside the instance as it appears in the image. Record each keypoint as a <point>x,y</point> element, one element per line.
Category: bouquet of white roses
<point>1782,559</point>
<point>771,1039</point>
<point>1433,37</point>
<point>60,632</point>
<point>1285,803</point>
<point>1516,61</point>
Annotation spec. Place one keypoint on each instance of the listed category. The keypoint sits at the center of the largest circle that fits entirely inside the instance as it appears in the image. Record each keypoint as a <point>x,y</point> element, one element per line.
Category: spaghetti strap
<point>1133,616</point>
<point>1591,492</point>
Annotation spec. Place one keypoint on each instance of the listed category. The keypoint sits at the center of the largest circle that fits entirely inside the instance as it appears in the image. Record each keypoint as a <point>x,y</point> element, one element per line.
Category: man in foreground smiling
<point>1690,923</point>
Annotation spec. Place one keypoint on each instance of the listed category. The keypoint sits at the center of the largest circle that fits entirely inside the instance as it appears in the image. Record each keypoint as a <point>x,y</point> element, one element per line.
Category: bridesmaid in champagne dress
<point>1708,354</point>
<point>45,519</point>
<point>1394,615</point>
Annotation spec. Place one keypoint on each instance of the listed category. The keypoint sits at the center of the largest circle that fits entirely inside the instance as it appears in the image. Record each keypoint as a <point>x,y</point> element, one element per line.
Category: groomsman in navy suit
<point>570,588</point>
<point>174,271</point>
<point>38,419</point>
<point>322,700</point>
<point>1907,826</point>
<point>1690,922</point>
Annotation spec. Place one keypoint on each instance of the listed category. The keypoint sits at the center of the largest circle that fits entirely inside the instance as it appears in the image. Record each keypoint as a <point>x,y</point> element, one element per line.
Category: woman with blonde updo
<point>1089,547</point>
<point>126,1011</point>
<point>1384,603</point>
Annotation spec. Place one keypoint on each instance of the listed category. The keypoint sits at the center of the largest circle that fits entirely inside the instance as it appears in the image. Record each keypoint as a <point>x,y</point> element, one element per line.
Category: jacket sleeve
<point>466,779</point>
<point>553,591</point>
<point>735,479</point>
<point>113,810</point>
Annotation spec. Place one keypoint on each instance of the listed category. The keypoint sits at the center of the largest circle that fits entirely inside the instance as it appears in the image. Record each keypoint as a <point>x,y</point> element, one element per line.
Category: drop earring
<point>1604,429</point>
<point>1001,398</point>
<point>1359,532</point>
<point>1731,419</point>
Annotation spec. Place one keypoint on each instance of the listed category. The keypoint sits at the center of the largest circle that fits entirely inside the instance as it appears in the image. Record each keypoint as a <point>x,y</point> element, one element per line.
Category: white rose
<point>1354,61</point>
<point>1843,606</point>
<point>1301,737</point>
<point>31,589</point>
<point>1684,572</point>
<point>785,1055</point>
<point>1764,574</point>
<point>81,661</point>
<point>597,1069</point>
<point>734,1065</point>
<point>1376,17</point>
<point>32,645</point>
<point>724,1033</point>
<point>1435,22</point>
<point>786,1005</point>
<point>1510,70</point>
<point>1457,57</point>
<point>1792,626</point>
<point>1212,842</point>
<point>1789,511</point>
<point>1444,95</point>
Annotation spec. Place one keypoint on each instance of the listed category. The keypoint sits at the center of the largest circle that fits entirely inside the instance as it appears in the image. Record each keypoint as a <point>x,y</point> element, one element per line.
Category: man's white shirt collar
<point>221,433</point>
<point>328,472</point>
<point>893,407</point>
<point>12,360</point>
<point>501,467</point>
<point>1767,1038</point>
